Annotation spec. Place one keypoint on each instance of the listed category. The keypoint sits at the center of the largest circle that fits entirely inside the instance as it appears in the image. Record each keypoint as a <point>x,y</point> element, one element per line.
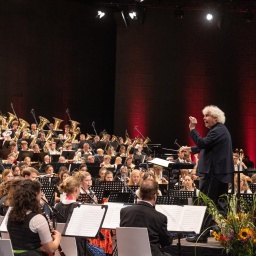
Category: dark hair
<point>148,189</point>
<point>25,199</point>
<point>82,166</point>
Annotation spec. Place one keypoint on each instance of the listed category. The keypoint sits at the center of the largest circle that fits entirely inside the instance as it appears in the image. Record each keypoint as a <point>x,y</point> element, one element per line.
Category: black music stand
<point>5,166</point>
<point>49,193</point>
<point>166,200</point>
<point>133,187</point>
<point>163,188</point>
<point>55,158</point>
<point>84,199</point>
<point>98,191</point>
<point>112,186</point>
<point>24,154</point>
<point>45,181</point>
<point>93,170</point>
<point>182,196</point>
<point>178,187</point>
<point>253,188</point>
<point>119,197</point>
<point>247,197</point>
<point>38,157</point>
<point>68,154</point>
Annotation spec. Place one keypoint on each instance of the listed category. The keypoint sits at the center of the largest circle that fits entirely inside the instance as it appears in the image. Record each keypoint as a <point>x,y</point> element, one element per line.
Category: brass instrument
<point>48,140</point>
<point>146,141</point>
<point>11,118</point>
<point>104,137</point>
<point>127,141</point>
<point>67,140</point>
<point>22,126</point>
<point>88,136</point>
<point>74,124</point>
<point>43,122</point>
<point>56,125</point>
<point>136,140</point>
<point>74,134</point>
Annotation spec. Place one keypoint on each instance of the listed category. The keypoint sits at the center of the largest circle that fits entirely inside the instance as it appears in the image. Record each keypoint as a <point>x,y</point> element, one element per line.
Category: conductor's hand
<point>56,235</point>
<point>193,123</point>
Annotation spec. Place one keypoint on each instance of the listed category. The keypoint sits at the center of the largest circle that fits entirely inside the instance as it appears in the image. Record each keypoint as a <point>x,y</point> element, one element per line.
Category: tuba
<point>43,122</point>
<point>56,125</point>
<point>74,134</point>
<point>11,118</point>
<point>146,141</point>
<point>74,124</point>
<point>22,127</point>
<point>68,140</point>
<point>88,136</point>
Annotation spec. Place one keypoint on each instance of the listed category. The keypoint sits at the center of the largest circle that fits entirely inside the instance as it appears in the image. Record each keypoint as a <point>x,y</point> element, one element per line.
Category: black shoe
<point>197,239</point>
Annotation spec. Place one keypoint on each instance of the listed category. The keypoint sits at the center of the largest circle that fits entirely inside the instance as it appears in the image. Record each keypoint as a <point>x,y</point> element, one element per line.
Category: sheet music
<point>160,162</point>
<point>3,226</point>
<point>112,218</point>
<point>180,217</point>
<point>85,221</point>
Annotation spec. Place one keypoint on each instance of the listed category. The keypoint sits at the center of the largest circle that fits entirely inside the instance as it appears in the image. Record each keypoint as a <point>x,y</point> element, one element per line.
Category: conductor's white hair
<point>215,112</point>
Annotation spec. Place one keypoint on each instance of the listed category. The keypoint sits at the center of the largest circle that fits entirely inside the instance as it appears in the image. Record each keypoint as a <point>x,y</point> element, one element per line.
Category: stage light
<point>209,16</point>
<point>133,15</point>
<point>100,14</point>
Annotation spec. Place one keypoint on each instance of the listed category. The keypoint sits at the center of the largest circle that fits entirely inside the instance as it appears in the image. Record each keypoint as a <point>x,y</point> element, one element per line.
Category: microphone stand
<point>67,111</point>
<point>14,112</point>
<point>125,185</point>
<point>33,114</point>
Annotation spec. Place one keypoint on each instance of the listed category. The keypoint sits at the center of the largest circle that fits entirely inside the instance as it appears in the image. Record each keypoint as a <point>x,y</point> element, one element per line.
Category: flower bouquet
<point>237,231</point>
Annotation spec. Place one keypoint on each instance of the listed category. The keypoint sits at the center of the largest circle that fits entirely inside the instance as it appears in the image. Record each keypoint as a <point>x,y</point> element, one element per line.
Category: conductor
<point>215,166</point>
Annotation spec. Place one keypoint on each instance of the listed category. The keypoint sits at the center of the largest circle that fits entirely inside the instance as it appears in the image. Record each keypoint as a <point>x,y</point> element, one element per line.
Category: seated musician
<point>158,171</point>
<point>16,170</point>
<point>100,152</point>
<point>83,168</point>
<point>106,162</point>
<point>122,151</point>
<point>13,148</point>
<point>30,173</point>
<point>41,141</point>
<point>47,159</point>
<point>102,173</point>
<point>24,146</point>
<point>96,139</point>
<point>52,149</point>
<point>129,163</point>
<point>90,159</point>
<point>118,163</point>
<point>36,148</point>
<point>7,175</point>
<point>111,151</point>
<point>123,174</point>
<point>189,185</point>
<point>109,176</point>
<point>49,170</point>
<point>27,161</point>
<point>33,130</point>
<point>11,159</point>
<point>28,229</point>
<point>86,151</point>
<point>239,165</point>
<point>244,187</point>
<point>59,194</point>
<point>253,179</point>
<point>135,179</point>
<point>14,128</point>
<point>62,160</point>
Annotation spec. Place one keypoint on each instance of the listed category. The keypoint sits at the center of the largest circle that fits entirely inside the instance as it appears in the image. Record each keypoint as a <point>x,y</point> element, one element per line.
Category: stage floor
<point>212,248</point>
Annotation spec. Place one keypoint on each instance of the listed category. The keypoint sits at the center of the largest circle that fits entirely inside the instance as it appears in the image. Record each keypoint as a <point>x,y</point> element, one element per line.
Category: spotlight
<point>133,15</point>
<point>209,16</point>
<point>100,14</point>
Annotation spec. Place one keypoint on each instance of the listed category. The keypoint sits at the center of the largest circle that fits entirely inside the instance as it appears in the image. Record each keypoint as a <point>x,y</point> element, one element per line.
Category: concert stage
<point>212,248</point>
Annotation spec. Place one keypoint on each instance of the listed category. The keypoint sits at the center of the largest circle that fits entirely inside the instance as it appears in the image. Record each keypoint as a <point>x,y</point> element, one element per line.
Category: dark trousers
<point>213,188</point>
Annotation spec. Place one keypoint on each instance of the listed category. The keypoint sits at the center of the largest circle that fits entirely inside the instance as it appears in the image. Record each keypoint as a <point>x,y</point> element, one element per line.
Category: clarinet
<point>51,230</point>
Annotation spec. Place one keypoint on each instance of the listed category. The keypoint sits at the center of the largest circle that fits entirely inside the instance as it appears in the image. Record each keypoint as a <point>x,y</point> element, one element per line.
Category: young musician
<point>28,228</point>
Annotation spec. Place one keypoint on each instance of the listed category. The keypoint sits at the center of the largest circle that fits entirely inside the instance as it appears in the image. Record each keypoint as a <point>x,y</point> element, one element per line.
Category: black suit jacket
<point>144,215</point>
<point>216,153</point>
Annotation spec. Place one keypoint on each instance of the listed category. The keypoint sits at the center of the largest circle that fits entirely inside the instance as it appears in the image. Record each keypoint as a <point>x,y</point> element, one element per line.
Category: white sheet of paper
<point>85,221</point>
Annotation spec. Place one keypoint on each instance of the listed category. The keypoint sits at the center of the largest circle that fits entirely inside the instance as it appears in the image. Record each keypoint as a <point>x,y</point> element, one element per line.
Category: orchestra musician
<point>52,149</point>
<point>33,130</point>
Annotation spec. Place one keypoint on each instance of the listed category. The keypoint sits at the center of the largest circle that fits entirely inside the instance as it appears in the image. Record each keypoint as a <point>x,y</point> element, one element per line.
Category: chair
<point>68,244</point>
<point>6,247</point>
<point>132,241</point>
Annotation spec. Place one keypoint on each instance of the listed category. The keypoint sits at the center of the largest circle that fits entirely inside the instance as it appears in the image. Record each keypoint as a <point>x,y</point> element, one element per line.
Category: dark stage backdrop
<point>55,55</point>
<point>169,69</point>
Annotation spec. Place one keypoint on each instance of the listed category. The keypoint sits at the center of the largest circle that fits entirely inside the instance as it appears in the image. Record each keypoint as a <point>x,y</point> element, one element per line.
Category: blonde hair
<point>69,184</point>
<point>214,111</point>
<point>134,172</point>
<point>245,183</point>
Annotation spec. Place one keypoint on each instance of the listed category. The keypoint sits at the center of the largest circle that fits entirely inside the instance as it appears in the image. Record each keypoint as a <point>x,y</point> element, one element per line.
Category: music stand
<point>139,159</point>
<point>99,191</point>
<point>247,197</point>
<point>120,197</point>
<point>84,199</point>
<point>68,154</point>
<point>24,154</point>
<point>55,158</point>
<point>253,188</point>
<point>178,187</point>
<point>112,186</point>
<point>166,200</point>
<point>38,157</point>
<point>133,187</point>
<point>182,196</point>
<point>49,193</point>
<point>93,170</point>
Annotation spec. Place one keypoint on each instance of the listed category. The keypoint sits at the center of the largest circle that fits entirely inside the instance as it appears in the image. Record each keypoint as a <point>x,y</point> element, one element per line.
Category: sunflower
<point>244,234</point>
